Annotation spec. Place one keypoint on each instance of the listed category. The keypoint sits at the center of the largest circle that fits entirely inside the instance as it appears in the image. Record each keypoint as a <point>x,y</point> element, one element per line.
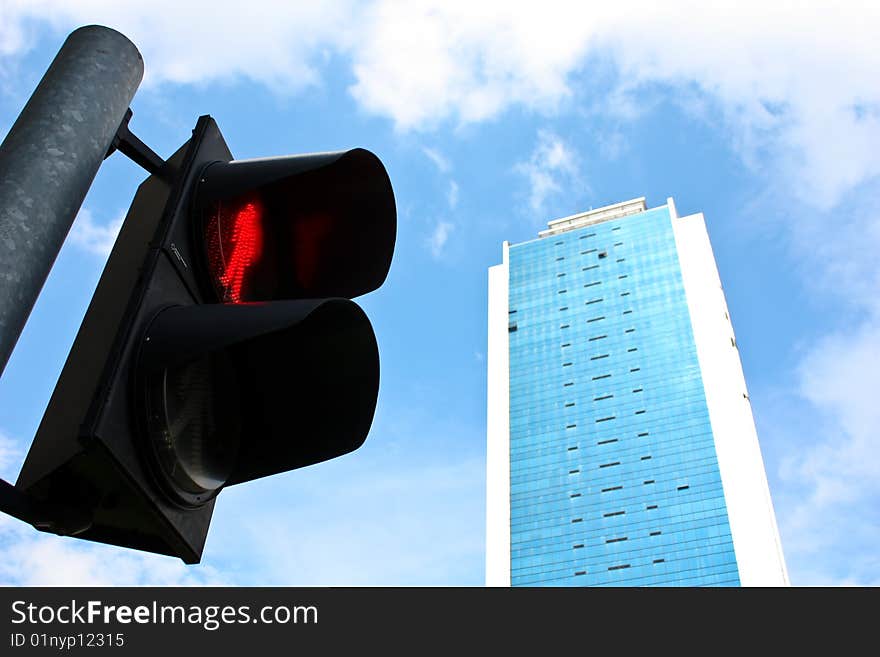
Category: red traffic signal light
<point>221,344</point>
<point>282,228</point>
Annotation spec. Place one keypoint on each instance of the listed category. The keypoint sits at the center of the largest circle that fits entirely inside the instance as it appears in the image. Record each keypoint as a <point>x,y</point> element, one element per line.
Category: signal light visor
<point>298,227</point>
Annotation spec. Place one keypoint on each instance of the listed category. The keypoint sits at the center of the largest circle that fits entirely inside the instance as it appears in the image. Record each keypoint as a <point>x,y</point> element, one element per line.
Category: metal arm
<point>127,143</point>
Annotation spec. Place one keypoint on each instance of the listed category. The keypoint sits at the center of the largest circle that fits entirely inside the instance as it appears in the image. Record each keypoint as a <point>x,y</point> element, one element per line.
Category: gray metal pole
<point>50,157</point>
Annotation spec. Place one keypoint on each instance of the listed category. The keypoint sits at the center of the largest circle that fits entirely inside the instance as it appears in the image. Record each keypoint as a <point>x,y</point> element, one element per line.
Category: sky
<point>493,118</point>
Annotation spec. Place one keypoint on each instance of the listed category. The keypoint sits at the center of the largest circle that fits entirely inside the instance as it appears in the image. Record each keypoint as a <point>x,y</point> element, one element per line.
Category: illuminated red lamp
<point>234,236</point>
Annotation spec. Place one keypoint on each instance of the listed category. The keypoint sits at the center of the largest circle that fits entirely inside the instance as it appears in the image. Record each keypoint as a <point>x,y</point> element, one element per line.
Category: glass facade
<point>614,478</point>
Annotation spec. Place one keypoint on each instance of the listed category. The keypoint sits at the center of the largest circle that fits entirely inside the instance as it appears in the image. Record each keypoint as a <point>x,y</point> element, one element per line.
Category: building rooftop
<point>596,216</point>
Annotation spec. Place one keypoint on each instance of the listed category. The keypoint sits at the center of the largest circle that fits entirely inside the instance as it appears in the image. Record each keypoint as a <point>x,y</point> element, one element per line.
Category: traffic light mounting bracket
<point>127,143</point>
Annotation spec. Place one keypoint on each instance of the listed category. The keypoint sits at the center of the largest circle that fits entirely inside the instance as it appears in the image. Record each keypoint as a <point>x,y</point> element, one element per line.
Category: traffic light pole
<point>50,157</point>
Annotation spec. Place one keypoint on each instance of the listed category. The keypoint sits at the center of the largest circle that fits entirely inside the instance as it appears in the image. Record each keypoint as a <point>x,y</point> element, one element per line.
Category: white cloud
<point>437,241</point>
<point>440,161</point>
<point>444,166</point>
<point>32,558</point>
<point>464,61</point>
<point>93,237</point>
<point>12,39</point>
<point>838,375</point>
<point>397,535</point>
<point>785,77</point>
<point>831,470</point>
<point>452,195</point>
<point>788,80</point>
<point>795,84</point>
<point>551,168</point>
<point>612,145</point>
<point>278,43</point>
<point>10,457</point>
<point>825,431</point>
<point>837,250</point>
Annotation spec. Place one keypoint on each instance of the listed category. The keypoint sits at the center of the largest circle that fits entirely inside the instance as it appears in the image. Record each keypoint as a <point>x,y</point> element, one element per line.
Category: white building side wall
<point>498,431</point>
<point>750,510</point>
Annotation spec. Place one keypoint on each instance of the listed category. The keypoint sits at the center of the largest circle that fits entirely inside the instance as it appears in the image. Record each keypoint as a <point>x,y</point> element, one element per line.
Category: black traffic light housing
<point>220,346</point>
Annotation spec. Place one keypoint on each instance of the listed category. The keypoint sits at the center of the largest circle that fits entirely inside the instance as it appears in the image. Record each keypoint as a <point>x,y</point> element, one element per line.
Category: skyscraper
<point>621,444</point>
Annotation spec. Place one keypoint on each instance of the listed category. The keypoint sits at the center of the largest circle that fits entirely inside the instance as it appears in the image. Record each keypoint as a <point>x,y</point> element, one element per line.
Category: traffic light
<point>221,344</point>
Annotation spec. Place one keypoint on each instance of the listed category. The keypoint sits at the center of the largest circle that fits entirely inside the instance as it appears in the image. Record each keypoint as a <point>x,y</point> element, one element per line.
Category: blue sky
<point>493,118</point>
